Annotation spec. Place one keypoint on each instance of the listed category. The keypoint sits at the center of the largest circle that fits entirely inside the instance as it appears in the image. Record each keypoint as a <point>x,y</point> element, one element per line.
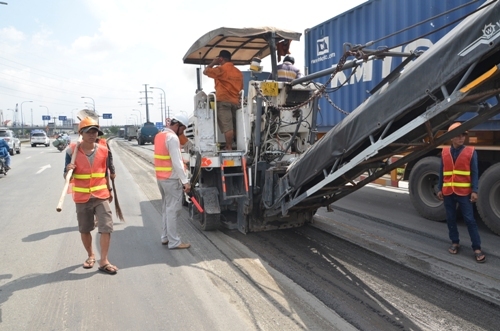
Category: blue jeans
<point>450,203</point>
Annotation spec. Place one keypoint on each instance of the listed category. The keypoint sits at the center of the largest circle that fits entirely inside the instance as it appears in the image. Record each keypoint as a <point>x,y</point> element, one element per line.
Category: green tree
<point>113,130</point>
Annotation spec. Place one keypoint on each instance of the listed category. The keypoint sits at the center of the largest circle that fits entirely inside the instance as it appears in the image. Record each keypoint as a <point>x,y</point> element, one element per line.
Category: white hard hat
<point>181,118</point>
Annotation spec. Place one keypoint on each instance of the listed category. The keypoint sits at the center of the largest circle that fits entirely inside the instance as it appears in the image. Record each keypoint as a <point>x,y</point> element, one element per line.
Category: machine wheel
<point>208,222</point>
<point>46,145</point>
<point>18,150</point>
<point>11,152</point>
<point>33,145</point>
<point>423,185</point>
<point>488,198</point>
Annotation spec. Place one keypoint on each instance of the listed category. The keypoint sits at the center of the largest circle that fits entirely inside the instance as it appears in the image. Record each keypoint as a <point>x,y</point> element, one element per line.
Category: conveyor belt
<point>454,76</point>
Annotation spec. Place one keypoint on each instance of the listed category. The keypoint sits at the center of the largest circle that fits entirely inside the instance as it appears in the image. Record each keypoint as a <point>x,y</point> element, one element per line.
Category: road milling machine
<point>279,173</point>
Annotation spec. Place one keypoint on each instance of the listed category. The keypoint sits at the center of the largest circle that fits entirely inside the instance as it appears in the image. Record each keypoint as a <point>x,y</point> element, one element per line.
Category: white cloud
<point>108,49</point>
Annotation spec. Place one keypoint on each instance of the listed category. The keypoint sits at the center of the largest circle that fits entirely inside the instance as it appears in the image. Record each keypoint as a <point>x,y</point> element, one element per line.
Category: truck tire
<point>423,183</point>
<point>488,198</point>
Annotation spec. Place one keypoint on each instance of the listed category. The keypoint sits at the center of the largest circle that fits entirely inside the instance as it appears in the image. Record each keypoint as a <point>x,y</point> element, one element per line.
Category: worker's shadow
<point>140,245</point>
<point>45,234</point>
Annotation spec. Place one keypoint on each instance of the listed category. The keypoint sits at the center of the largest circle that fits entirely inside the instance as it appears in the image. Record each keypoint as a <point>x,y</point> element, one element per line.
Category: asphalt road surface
<point>44,287</point>
<point>372,264</point>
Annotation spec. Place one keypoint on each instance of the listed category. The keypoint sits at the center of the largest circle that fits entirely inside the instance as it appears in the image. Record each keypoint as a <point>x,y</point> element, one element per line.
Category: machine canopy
<point>244,44</point>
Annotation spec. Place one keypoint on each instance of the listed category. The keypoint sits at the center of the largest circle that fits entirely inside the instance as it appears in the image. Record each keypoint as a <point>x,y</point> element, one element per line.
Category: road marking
<point>43,168</point>
<point>400,190</point>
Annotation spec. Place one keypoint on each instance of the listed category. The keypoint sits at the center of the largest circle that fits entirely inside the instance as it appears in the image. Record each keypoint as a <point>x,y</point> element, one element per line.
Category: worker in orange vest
<point>91,192</point>
<point>458,184</point>
<point>171,178</point>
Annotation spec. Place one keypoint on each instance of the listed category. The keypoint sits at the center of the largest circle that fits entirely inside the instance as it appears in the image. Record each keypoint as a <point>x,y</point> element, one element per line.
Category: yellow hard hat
<point>89,123</point>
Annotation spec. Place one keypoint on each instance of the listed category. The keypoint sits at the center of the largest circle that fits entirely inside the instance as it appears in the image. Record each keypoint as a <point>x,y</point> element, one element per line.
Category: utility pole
<point>147,102</point>
<point>161,108</point>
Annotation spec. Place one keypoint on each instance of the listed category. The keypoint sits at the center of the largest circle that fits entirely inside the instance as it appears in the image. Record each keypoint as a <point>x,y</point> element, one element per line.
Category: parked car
<point>39,137</point>
<point>12,140</point>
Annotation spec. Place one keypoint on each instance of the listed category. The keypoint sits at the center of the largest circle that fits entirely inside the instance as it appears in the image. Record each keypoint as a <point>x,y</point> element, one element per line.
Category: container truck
<point>406,26</point>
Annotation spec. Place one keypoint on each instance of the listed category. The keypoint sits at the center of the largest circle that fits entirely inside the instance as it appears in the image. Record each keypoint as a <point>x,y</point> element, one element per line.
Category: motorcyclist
<point>67,138</point>
<point>4,153</point>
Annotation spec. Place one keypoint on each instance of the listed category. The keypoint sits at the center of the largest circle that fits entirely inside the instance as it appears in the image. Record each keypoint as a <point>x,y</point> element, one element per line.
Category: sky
<point>65,56</point>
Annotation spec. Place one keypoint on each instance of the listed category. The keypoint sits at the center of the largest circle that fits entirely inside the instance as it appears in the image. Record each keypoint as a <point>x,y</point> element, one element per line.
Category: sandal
<point>109,269</point>
<point>89,263</point>
<point>480,257</point>
<point>454,248</point>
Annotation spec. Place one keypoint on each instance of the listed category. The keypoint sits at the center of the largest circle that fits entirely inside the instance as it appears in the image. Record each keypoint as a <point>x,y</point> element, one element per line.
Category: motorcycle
<point>60,143</point>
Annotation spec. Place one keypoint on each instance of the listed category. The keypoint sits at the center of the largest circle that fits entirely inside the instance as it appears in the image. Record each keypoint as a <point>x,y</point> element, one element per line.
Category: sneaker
<point>182,246</point>
<point>7,168</point>
<point>164,242</point>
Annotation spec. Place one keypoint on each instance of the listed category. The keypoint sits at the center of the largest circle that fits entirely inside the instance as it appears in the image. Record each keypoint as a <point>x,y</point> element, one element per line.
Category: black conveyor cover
<point>475,37</point>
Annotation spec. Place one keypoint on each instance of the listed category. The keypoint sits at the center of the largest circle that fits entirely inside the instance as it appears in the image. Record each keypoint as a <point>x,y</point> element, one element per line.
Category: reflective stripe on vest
<point>456,175</point>
<point>88,176</point>
<point>163,163</point>
<point>90,180</point>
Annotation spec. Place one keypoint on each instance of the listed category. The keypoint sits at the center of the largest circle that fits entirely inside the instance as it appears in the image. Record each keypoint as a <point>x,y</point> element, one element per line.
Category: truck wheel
<point>488,198</point>
<point>423,187</point>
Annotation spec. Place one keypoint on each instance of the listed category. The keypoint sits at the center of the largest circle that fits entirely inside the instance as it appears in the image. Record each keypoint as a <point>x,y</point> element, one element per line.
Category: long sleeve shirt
<point>173,145</point>
<point>228,82</point>
<point>474,172</point>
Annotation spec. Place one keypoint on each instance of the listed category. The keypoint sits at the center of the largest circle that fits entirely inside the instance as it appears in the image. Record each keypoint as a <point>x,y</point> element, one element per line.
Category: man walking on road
<point>91,192</point>
<point>171,178</point>
<point>458,184</point>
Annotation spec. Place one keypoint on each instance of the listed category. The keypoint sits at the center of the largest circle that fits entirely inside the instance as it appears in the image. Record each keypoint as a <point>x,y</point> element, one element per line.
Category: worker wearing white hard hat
<point>171,178</point>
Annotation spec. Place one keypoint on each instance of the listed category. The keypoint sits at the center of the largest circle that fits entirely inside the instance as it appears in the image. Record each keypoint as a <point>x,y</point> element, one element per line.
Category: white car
<point>12,140</point>
<point>39,137</point>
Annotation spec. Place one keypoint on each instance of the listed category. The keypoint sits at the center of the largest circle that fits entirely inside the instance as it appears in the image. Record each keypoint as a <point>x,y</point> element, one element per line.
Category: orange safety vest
<point>90,180</point>
<point>163,163</point>
<point>456,175</point>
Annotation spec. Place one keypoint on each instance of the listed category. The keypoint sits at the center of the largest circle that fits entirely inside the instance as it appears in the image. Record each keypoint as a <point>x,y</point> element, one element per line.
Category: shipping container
<point>419,23</point>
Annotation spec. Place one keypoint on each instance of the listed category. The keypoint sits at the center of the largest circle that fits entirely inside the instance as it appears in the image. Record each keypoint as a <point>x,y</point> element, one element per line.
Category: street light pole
<point>140,114</point>
<point>136,121</point>
<point>93,102</point>
<point>22,117</point>
<point>164,101</point>
<point>47,114</point>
